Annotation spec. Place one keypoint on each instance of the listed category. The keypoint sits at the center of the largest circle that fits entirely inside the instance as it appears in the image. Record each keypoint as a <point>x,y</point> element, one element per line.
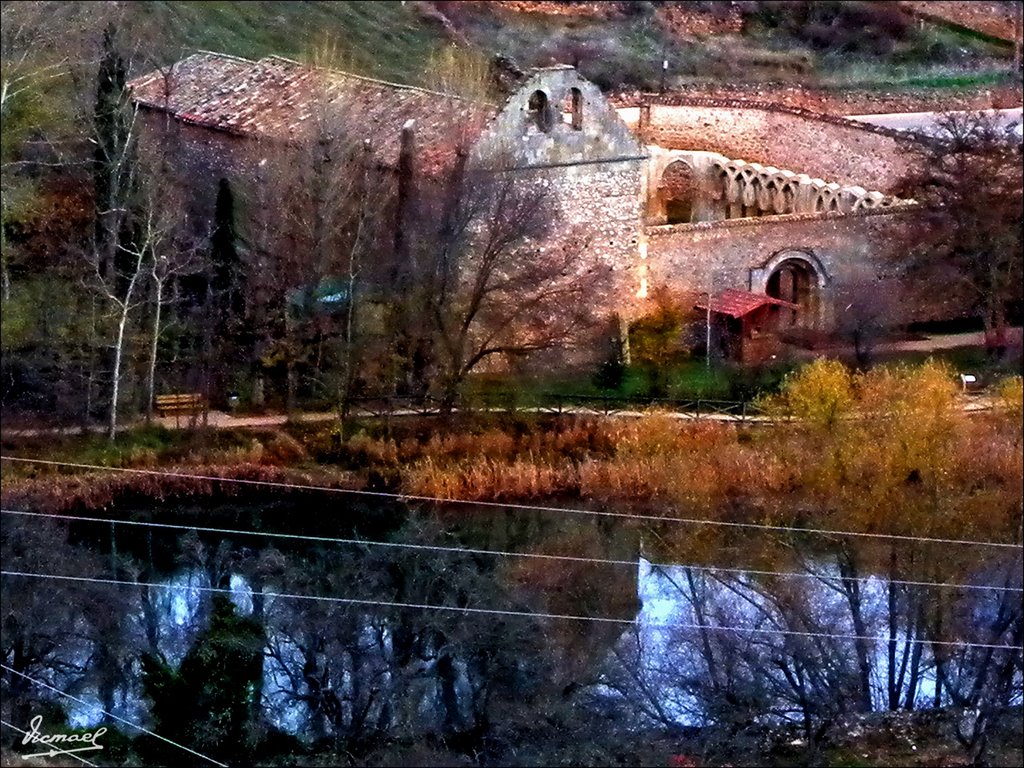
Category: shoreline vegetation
<point>849,448</point>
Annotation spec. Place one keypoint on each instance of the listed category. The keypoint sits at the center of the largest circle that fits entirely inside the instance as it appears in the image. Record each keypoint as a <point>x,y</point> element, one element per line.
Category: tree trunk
<point>5,276</point>
<point>698,610</point>
<point>116,383</point>
<point>851,588</point>
<point>151,378</point>
<point>290,387</point>
<point>258,395</point>
<point>90,381</point>
<point>894,693</point>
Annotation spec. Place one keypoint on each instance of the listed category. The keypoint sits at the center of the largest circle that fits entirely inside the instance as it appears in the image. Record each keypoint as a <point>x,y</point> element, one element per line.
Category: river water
<point>678,641</point>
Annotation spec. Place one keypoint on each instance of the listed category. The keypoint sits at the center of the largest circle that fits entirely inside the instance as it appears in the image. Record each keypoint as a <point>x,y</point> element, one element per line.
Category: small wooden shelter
<point>744,323</point>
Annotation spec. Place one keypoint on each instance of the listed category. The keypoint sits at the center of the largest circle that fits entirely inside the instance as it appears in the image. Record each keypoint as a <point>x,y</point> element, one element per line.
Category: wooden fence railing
<point>598,405</point>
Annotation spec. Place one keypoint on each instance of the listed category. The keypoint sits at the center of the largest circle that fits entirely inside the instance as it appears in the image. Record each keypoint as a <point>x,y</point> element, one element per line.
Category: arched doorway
<point>794,281</point>
<point>795,275</point>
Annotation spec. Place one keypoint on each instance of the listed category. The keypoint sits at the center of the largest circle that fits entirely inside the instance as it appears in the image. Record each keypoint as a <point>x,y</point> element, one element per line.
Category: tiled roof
<point>739,303</point>
<point>281,99</point>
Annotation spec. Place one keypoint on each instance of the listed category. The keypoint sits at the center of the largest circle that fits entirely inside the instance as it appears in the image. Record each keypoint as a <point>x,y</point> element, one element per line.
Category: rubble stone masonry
<point>846,248</point>
<point>998,19</point>
<point>843,151</point>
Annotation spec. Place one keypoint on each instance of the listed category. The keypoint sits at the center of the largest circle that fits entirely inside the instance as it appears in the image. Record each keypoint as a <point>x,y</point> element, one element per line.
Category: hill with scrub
<point>615,44</point>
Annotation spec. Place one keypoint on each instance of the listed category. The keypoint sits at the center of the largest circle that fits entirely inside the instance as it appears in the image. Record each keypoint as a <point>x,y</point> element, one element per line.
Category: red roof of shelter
<point>281,99</point>
<point>739,303</point>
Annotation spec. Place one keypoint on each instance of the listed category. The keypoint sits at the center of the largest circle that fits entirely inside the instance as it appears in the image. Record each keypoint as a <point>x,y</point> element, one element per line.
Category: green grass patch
<point>383,39</point>
<point>870,78</point>
<point>395,41</point>
<point>686,380</point>
<point>975,360</point>
<point>141,446</point>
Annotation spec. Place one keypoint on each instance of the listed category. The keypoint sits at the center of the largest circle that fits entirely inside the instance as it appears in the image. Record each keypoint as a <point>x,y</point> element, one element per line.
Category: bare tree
<point>490,285</point>
<point>968,180</point>
<point>865,310</point>
<point>124,235</point>
<point>170,254</point>
<point>314,224</point>
<point>121,288</point>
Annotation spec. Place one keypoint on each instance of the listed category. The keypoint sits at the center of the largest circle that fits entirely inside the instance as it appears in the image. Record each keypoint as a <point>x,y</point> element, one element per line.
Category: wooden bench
<point>178,403</point>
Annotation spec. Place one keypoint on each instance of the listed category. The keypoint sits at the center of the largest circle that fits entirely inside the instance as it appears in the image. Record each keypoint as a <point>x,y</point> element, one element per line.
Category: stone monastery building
<point>762,206</point>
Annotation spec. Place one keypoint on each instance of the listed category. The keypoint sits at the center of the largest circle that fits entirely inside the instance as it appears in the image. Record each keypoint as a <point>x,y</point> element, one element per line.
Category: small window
<point>539,111</point>
<point>574,109</point>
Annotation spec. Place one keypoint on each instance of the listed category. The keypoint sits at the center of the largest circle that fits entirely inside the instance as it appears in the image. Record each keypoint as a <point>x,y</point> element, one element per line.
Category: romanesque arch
<point>751,189</point>
<point>795,275</point>
<point>678,191</point>
<point>539,110</point>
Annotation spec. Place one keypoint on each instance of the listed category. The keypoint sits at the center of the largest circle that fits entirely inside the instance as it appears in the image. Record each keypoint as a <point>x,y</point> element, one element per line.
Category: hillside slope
<point>615,44</point>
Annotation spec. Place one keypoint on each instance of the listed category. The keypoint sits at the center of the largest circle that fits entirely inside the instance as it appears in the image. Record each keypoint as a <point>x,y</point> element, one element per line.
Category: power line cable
<point>501,553</point>
<point>504,612</point>
<point>52,751</point>
<point>115,717</point>
<point>525,507</point>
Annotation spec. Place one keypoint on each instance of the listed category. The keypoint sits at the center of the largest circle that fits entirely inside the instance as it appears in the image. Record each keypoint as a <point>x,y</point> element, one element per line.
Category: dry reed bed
<point>57,492</point>
<point>868,476</point>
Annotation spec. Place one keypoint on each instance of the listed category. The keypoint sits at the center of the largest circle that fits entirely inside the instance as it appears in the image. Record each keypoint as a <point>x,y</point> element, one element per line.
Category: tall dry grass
<point>656,456</point>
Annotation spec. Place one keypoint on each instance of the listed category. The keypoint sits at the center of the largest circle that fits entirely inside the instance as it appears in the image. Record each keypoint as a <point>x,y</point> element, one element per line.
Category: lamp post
<point>707,335</point>
<point>707,322</point>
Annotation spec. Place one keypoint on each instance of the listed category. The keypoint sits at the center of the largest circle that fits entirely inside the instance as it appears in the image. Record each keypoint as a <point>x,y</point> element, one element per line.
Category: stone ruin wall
<point>577,152</point>
<point>843,152</point>
<point>990,18</point>
<point>853,249</point>
<point>683,20</point>
<point>724,188</point>
<point>847,101</point>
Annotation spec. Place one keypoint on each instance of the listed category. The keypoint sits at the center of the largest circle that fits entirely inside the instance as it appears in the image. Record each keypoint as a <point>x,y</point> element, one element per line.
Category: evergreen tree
<point>224,253</point>
<point>113,165</point>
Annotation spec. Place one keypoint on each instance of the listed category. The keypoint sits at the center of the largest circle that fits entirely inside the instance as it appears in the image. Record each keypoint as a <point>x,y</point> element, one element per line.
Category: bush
<point>656,339</point>
<point>611,374</point>
<point>820,393</point>
<point>1011,395</point>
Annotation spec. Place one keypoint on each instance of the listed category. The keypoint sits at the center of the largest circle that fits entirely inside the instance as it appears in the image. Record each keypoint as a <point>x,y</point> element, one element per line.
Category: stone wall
<point>991,18</point>
<point>200,158</point>
<point>599,204</point>
<point>843,249</point>
<point>848,101</point>
<point>556,118</point>
<point>685,20</point>
<point>841,151</point>
<point>591,10</point>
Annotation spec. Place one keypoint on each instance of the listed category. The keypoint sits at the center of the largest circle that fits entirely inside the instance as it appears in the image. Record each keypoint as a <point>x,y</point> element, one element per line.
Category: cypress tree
<point>110,84</point>
<point>223,251</point>
<point>112,166</point>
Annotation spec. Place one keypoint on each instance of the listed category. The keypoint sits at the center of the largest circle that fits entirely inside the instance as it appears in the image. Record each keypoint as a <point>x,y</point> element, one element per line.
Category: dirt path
<point>1014,338</point>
